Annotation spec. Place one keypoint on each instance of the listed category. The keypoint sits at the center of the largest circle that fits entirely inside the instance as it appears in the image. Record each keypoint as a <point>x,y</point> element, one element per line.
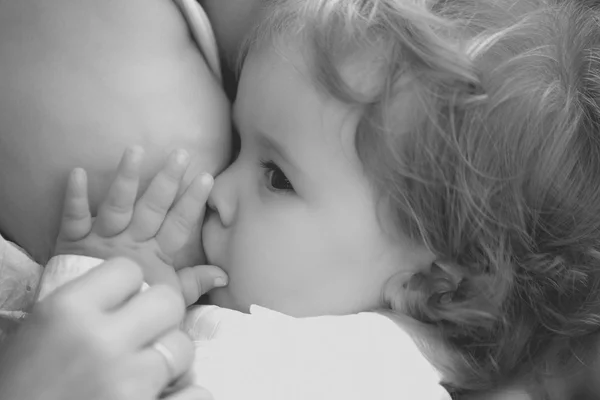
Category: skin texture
<point>81,82</point>
<point>317,249</point>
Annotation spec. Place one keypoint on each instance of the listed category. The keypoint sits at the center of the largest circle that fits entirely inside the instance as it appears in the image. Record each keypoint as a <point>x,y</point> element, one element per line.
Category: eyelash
<point>270,168</point>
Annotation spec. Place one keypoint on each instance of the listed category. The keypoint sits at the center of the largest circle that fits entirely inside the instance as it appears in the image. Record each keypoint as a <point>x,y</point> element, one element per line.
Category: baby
<point>399,168</point>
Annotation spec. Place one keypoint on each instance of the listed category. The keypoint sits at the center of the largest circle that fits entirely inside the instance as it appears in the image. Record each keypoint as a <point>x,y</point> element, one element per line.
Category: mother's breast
<point>82,80</point>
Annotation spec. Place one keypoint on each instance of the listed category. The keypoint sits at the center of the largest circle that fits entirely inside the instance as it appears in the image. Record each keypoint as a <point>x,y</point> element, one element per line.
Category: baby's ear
<point>445,292</point>
<point>438,282</point>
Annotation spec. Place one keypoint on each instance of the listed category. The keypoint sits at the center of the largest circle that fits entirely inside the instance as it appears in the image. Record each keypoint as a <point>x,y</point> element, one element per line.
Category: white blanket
<point>271,356</point>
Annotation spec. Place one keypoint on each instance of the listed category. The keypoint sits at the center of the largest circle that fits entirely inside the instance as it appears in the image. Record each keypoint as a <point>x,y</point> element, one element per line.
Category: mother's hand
<point>97,338</point>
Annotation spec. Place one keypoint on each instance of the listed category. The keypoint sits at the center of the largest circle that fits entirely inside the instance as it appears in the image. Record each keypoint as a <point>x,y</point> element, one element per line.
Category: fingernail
<point>135,153</point>
<point>78,176</point>
<point>181,157</point>
<point>220,281</point>
<point>207,179</point>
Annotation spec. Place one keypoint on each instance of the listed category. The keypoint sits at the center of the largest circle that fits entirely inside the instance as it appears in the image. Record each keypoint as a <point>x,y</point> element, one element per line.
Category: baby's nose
<point>222,199</point>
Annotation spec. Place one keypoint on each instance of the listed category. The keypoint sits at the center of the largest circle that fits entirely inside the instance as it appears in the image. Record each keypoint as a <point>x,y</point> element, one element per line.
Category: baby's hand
<point>150,230</point>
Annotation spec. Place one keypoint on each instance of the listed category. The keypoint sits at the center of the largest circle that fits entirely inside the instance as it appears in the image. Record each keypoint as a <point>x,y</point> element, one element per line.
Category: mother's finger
<point>168,358</point>
<point>149,315</point>
<point>105,286</point>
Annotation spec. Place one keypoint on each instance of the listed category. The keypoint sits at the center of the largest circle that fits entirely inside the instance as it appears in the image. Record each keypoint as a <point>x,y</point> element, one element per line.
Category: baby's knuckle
<point>156,208</point>
<point>117,208</point>
<point>181,223</point>
<point>172,176</point>
<point>76,215</point>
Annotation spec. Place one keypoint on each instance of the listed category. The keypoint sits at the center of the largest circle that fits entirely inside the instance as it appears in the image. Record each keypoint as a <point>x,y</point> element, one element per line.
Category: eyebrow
<point>271,144</point>
<point>268,143</point>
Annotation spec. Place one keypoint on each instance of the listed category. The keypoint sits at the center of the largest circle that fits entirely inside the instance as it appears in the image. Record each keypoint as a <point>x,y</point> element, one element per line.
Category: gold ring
<point>167,355</point>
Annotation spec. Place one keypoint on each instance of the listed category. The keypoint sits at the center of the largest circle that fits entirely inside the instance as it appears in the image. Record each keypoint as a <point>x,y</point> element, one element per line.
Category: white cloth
<point>62,269</point>
<point>21,285</point>
<point>19,277</point>
<point>271,356</point>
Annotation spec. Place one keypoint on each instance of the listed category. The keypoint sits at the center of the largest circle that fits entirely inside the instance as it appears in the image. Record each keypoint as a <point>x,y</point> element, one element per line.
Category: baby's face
<point>295,222</point>
<point>77,94</point>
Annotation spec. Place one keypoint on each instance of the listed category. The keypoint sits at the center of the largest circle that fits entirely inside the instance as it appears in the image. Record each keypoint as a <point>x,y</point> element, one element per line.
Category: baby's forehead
<point>359,70</point>
<point>361,79</point>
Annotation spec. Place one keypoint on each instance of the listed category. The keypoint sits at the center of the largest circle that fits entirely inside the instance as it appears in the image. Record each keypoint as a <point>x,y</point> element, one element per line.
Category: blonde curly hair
<point>497,172</point>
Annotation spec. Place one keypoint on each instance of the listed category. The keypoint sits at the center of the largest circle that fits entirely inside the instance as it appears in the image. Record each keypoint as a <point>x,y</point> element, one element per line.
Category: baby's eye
<point>276,179</point>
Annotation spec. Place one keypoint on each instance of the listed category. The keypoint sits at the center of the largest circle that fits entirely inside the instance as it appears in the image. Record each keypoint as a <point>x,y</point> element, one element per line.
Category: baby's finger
<point>76,220</point>
<point>198,280</point>
<point>114,214</point>
<point>151,209</point>
<point>187,212</point>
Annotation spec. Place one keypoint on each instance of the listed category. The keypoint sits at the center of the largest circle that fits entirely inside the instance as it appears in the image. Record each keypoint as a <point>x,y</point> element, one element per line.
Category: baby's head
<point>393,160</point>
<point>312,218</point>
<point>298,223</point>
